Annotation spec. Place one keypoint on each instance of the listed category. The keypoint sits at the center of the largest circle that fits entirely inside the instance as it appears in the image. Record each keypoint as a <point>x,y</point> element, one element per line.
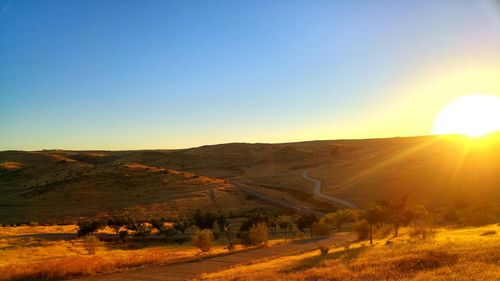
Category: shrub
<point>422,232</point>
<point>362,230</point>
<point>203,240</point>
<point>324,250</point>
<point>300,235</point>
<point>90,243</point>
<point>489,232</point>
<point>123,235</point>
<point>258,234</point>
<point>89,227</point>
<point>321,228</point>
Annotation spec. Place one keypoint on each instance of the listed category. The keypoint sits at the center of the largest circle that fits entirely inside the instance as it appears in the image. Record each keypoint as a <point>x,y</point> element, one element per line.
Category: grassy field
<point>31,253</point>
<point>453,254</point>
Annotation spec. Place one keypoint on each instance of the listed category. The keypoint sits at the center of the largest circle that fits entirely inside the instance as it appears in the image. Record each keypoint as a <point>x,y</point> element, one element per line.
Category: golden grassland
<point>26,256</point>
<point>453,254</point>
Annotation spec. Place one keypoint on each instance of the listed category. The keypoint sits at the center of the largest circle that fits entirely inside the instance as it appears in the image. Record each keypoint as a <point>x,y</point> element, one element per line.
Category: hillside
<point>431,170</point>
<point>47,186</point>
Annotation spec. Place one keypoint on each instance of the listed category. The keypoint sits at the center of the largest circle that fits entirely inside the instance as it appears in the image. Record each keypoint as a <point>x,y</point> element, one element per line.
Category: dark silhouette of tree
<point>221,222</point>
<point>373,214</point>
<point>306,221</point>
<point>87,227</point>
<point>182,224</point>
<point>204,220</point>
<point>116,223</point>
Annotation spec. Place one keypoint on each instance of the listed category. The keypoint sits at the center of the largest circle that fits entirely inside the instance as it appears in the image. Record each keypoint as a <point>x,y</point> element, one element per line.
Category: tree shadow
<point>346,255</point>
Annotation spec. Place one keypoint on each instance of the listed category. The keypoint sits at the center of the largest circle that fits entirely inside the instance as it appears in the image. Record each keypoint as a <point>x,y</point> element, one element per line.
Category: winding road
<point>317,192</point>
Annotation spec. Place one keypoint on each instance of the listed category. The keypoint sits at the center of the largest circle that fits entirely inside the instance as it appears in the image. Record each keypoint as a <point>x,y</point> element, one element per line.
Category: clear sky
<point>169,74</point>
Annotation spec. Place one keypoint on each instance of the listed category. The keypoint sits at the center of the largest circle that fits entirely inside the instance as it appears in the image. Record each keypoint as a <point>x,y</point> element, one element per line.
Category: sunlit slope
<point>42,186</point>
<point>430,170</point>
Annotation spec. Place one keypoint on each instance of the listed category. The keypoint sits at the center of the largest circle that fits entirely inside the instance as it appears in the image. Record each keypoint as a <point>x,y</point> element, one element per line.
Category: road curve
<point>273,200</point>
<point>317,192</point>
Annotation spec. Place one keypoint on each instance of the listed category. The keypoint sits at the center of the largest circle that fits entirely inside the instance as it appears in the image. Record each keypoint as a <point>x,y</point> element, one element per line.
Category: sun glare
<point>473,115</point>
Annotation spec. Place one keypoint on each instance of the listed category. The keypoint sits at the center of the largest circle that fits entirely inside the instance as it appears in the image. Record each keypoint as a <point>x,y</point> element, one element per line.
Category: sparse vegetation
<point>258,234</point>
<point>456,254</point>
<point>203,240</point>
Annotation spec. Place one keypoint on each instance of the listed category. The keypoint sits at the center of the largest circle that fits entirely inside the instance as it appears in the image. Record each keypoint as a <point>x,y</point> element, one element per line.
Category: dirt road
<point>317,192</point>
<point>188,270</point>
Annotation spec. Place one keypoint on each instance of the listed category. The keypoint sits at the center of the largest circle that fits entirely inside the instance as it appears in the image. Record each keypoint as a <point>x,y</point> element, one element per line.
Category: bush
<point>300,235</point>
<point>489,232</point>
<point>89,227</point>
<point>203,240</point>
<point>324,251</point>
<point>90,243</point>
<point>362,230</point>
<point>123,235</point>
<point>321,228</point>
<point>422,232</point>
<point>258,234</point>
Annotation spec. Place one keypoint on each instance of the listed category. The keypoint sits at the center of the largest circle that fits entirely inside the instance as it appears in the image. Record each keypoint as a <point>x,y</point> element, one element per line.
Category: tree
<point>116,223</point>
<point>221,222</point>
<point>141,229</point>
<point>272,225</point>
<point>340,217</point>
<point>163,228</point>
<point>89,227</point>
<point>204,220</point>
<point>306,221</point>
<point>182,224</point>
<point>373,214</point>
<point>285,224</point>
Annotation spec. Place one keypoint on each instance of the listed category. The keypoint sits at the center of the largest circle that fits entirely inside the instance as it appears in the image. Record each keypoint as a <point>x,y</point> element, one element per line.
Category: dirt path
<point>317,192</point>
<point>273,200</point>
<point>188,270</point>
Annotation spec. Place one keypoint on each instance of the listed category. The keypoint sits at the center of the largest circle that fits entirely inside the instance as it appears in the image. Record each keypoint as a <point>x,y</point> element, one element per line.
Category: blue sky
<point>169,74</point>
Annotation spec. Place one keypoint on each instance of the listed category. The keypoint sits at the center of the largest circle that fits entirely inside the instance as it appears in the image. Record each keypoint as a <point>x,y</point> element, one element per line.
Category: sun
<point>473,115</point>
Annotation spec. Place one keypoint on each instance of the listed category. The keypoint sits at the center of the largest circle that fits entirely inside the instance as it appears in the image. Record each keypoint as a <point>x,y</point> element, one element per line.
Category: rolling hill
<point>432,170</point>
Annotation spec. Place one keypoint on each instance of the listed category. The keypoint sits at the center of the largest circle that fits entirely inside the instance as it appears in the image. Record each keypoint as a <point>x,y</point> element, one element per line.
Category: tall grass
<point>461,254</point>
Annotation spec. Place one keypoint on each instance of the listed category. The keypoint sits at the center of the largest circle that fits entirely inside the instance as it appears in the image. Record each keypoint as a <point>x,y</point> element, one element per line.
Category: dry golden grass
<point>27,257</point>
<point>456,254</point>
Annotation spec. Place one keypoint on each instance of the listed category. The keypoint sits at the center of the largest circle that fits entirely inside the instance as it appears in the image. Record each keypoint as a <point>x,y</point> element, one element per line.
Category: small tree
<point>89,227</point>
<point>204,220</point>
<point>182,224</point>
<point>221,222</point>
<point>227,231</point>
<point>285,224</point>
<point>123,235</point>
<point>141,229</point>
<point>203,240</point>
<point>90,243</point>
<point>258,234</point>
<point>273,224</point>
<point>116,223</point>
<point>340,217</point>
<point>320,228</point>
<point>306,221</point>
<point>373,214</point>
